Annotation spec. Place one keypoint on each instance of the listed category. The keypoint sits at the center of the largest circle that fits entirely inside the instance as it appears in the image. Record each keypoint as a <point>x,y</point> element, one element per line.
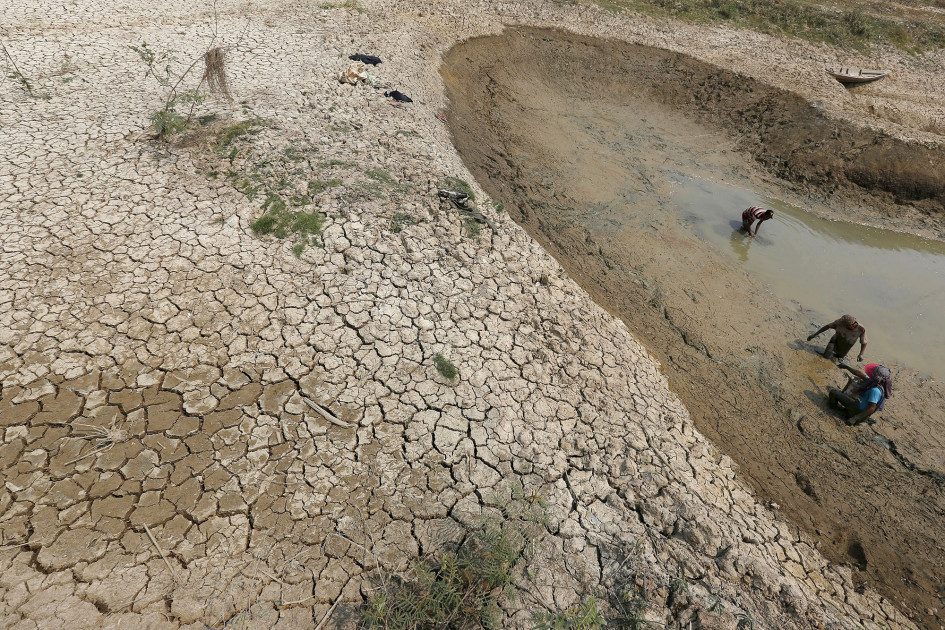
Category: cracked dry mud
<point>162,464</point>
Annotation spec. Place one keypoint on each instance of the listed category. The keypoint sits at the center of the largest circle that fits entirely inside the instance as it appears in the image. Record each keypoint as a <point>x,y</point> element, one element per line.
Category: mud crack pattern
<point>163,464</point>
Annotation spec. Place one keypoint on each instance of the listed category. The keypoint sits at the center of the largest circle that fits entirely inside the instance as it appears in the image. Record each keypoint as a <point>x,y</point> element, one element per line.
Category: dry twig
<point>160,551</point>
<point>327,415</point>
<point>321,624</point>
<point>265,573</point>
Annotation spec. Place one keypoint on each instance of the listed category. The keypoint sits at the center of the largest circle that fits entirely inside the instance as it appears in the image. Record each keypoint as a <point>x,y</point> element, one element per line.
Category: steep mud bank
<point>581,139</point>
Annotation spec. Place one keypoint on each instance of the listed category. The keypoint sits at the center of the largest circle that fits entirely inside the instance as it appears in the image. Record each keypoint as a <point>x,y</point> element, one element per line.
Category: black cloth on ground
<point>399,96</point>
<point>371,60</point>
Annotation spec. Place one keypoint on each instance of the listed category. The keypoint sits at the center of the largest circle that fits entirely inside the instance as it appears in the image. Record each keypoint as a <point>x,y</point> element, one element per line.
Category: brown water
<point>617,158</point>
<point>893,283</point>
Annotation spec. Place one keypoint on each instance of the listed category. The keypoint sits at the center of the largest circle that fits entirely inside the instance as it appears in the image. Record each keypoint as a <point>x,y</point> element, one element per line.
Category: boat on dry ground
<point>856,75</point>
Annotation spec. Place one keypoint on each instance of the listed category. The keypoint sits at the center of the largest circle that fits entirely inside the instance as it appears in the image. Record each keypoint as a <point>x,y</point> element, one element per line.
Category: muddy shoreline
<point>873,497</point>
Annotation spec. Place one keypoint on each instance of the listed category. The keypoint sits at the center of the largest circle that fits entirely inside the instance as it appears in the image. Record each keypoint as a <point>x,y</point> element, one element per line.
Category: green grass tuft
<point>167,122</point>
<point>335,162</point>
<point>382,176</point>
<point>445,367</point>
<point>472,227</point>
<point>263,225</point>
<point>318,186</point>
<point>346,4</point>
<point>585,616</point>
<point>402,220</point>
<point>461,587</point>
<point>238,130</point>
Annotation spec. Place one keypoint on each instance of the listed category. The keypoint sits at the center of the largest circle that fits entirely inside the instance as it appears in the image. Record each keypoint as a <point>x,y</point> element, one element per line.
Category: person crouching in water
<point>753,214</point>
<point>867,397</point>
<point>847,332</point>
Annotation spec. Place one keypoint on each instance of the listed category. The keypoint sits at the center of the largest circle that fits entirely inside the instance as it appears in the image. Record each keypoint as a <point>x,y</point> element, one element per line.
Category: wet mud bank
<point>583,139</point>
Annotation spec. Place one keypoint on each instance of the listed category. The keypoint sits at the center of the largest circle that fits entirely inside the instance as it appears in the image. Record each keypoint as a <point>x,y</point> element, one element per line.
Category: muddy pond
<point>893,282</point>
<point>632,166</point>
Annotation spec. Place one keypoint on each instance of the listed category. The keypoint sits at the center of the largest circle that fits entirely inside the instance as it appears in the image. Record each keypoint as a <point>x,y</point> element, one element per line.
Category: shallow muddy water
<point>893,283</point>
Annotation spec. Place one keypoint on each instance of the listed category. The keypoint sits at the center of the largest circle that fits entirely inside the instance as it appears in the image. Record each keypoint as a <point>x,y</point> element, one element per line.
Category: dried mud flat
<point>165,461</point>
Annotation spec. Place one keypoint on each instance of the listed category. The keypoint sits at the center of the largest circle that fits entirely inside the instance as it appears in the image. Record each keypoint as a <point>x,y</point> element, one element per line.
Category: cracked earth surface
<point>164,460</point>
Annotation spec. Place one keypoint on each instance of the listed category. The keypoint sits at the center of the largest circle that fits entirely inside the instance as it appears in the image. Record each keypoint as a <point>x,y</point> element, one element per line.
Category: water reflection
<point>894,283</point>
<point>740,241</point>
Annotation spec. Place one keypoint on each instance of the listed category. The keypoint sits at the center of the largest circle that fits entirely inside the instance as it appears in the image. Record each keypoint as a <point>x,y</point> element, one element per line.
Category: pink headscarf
<point>880,377</point>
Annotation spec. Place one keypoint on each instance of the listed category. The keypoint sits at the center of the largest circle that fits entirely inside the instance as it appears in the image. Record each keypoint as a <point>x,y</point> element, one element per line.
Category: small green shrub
<point>273,177</point>
<point>25,83</point>
<point>401,220</point>
<point>631,604</point>
<point>159,65</point>
<point>347,4</point>
<point>318,186</point>
<point>281,223</point>
<point>728,10</point>
<point>274,204</point>
<point>858,24</point>
<point>370,190</point>
<point>244,185</point>
<point>445,367</point>
<point>293,154</point>
<point>585,616</point>
<point>307,223</point>
<point>382,176</point>
<point>745,622</point>
<point>167,122</point>
<point>460,588</point>
<point>679,585</point>
<point>335,162</point>
<point>238,130</point>
<point>457,590</point>
<point>473,229</point>
<point>263,225</point>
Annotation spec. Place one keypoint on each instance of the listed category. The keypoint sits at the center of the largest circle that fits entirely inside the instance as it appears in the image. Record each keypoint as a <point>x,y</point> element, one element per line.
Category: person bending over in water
<point>753,214</point>
<point>867,397</point>
<point>848,331</point>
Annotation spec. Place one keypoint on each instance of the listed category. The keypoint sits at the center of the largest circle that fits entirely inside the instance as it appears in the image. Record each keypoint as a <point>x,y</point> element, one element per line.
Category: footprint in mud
<point>805,485</point>
<point>857,554</point>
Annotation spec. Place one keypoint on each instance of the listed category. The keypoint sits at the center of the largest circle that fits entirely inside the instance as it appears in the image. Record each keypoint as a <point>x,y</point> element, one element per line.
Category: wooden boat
<point>856,75</point>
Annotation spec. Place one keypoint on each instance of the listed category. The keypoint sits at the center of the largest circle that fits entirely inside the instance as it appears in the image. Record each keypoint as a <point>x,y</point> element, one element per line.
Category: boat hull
<point>857,76</point>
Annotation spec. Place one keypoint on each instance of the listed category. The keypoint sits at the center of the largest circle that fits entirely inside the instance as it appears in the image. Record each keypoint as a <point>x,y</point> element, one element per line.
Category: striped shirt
<point>752,214</point>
